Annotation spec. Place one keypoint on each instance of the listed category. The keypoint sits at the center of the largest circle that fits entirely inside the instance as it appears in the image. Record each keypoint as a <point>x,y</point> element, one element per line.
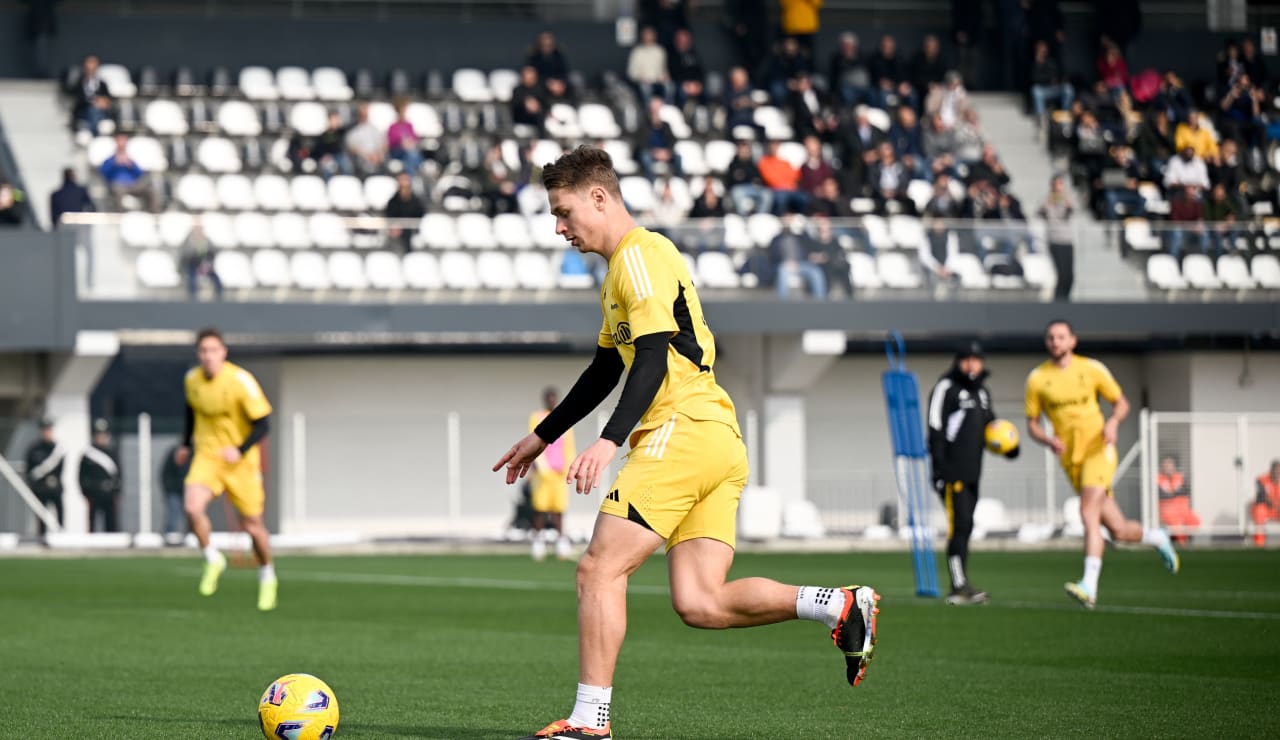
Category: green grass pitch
<point>470,648</point>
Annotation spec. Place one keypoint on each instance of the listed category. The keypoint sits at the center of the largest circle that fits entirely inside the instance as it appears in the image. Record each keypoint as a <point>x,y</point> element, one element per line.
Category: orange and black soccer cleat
<point>562,730</point>
<point>857,638</point>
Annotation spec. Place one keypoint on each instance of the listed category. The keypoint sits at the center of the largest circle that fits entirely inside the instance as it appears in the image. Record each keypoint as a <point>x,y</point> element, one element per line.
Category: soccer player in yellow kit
<point>227,416</point>
<point>549,494</point>
<point>1066,388</point>
<point>687,465</point>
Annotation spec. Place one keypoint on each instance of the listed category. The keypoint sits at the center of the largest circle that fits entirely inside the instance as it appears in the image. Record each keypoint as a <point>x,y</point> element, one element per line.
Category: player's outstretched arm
<point>519,459</point>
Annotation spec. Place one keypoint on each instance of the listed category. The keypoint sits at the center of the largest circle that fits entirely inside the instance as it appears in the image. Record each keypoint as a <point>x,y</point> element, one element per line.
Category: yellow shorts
<point>549,492</point>
<point>683,481</point>
<point>242,482</point>
<point>1095,469</point>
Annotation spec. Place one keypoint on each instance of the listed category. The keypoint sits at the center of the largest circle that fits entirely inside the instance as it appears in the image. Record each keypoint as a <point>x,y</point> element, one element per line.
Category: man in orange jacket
<point>1266,507</point>
<point>1175,500</point>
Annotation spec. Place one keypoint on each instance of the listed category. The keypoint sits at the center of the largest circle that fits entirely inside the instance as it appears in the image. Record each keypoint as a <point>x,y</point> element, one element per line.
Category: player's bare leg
<point>1097,509</point>
<point>703,598</point>
<point>196,500</point>
<point>556,521</point>
<point>618,548</point>
<point>538,546</point>
<point>1128,530</point>
<point>267,584</point>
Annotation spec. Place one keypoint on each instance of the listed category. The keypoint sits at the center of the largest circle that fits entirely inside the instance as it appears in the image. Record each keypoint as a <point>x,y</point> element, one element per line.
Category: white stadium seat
<point>272,193</point>
<point>1037,270</point>
<point>196,192</point>
<point>294,83</point>
<point>381,115</point>
<point>290,230</point>
<point>496,270</point>
<point>716,270</point>
<point>346,271</point>
<point>1233,271</point>
<point>378,191</point>
<point>174,227</point>
<point>542,227</point>
<point>330,83</point>
<point>148,153</point>
<point>138,229</point>
<point>736,235</point>
<point>234,270</point>
<point>763,227</point>
<point>906,231</point>
<point>422,271</point>
<point>675,119</point>
<point>1137,234</point>
<point>597,121</point>
<point>879,118</point>
<point>310,270</point>
<point>920,192</point>
<point>534,271</point>
<point>877,232</point>
<point>459,271</point>
<point>511,231</point>
<point>254,230</point>
<point>471,86</point>
<point>719,154</point>
<point>425,120</point>
<point>1198,270</point>
<point>101,148</point>
<point>968,268</point>
<point>793,152</point>
<point>309,119</point>
<point>157,269</point>
<point>271,268</point>
<point>692,161</point>
<point>863,272</point>
<point>216,154</point>
<point>258,83</point>
<point>476,231</point>
<point>1265,269</point>
<point>895,270</point>
<point>562,122</point>
<point>219,229</point>
<point>502,82</point>
<point>119,81</point>
<point>328,231</point>
<point>773,121</point>
<point>165,118</point>
<point>638,193</point>
<point>384,271</point>
<point>346,193</point>
<point>308,193</point>
<point>439,231</point>
<point>238,118</point>
<point>235,193</point>
<point>623,160</point>
<point>1164,273</point>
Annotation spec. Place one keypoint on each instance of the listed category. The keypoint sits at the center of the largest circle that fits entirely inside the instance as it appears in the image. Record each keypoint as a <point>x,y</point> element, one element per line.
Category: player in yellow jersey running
<point>227,416</point>
<point>687,464</point>
<point>1066,388</point>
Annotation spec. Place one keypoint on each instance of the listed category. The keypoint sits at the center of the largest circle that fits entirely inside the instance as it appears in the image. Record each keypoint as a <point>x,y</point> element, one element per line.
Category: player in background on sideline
<point>687,465</point>
<point>1066,388</point>
<point>959,411</point>
<point>1266,504</point>
<point>227,416</point>
<point>549,493</point>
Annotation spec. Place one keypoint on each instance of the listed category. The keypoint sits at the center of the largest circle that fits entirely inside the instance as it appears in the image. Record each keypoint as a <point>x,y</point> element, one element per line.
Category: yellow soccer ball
<point>1001,436</point>
<point>298,706</point>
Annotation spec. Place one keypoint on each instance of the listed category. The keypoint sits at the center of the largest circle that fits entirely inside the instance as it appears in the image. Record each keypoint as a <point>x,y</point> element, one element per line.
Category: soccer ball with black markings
<point>1001,436</point>
<point>298,706</point>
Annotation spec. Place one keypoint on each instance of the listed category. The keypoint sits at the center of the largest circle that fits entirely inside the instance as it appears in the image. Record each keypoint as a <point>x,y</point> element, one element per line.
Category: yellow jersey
<point>225,407</point>
<point>648,290</point>
<point>1069,397</point>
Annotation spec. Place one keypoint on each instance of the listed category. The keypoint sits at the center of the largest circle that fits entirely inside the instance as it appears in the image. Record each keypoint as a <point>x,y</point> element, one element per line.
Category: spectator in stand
<point>783,179</point>
<point>927,66</point>
<point>792,254</point>
<point>968,137</point>
<point>800,21</point>
<point>810,115</point>
<point>655,144</point>
<point>402,141</point>
<point>1056,212</point>
<point>908,142</point>
<point>708,210</point>
<point>499,189</point>
<point>966,32</point>
<point>937,249</point>
<point>739,103</point>
<point>1266,504</point>
<point>86,89</point>
<point>815,170</point>
<point>983,207</point>
<point>1048,83</point>
<point>549,62</point>
<point>1175,500</point>
<point>1045,24</point>
<point>989,169</point>
<point>1221,214</point>
<point>404,206</point>
<point>749,28</point>
<point>1186,170</point>
<point>889,77</point>
<point>942,203</point>
<point>948,101</point>
<point>667,214</point>
<point>847,72</point>
<point>1254,65</point>
<point>647,65</point>
<point>366,146</point>
<point>1119,185</point>
<point>1186,216</point>
<point>1201,140</point>
<point>827,201</point>
<point>685,70</point>
<point>858,146</point>
<point>1091,146</point>
<point>10,205</point>
<point>1230,66</point>
<point>888,179</point>
<point>745,185</point>
<point>71,197</point>
<point>126,179</point>
<point>665,17</point>
<point>1241,117</point>
<point>529,100</point>
<point>1112,69</point>
<point>938,139</point>
<point>197,261</point>
<point>787,64</point>
<point>825,252</point>
<point>99,475</point>
<point>328,151</point>
<point>1100,102</point>
<point>1154,145</point>
<point>1173,98</point>
<point>1228,171</point>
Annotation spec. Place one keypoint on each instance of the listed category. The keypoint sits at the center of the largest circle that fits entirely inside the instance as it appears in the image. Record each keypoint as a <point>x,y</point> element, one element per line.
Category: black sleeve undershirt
<point>648,370</point>
<point>593,386</point>
<point>188,426</point>
<point>260,429</point>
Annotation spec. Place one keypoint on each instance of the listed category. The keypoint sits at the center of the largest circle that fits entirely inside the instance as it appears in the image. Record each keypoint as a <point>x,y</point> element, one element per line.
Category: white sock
<point>267,572</point>
<point>563,547</point>
<point>211,554</point>
<point>1092,569</point>
<point>539,547</point>
<point>1155,537</point>
<point>957,571</point>
<point>592,707</point>
<point>820,604</point>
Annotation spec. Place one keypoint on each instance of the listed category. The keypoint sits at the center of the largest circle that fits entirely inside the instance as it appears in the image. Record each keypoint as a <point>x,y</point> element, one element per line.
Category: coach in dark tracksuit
<point>959,411</point>
<point>100,480</point>
<point>44,471</point>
